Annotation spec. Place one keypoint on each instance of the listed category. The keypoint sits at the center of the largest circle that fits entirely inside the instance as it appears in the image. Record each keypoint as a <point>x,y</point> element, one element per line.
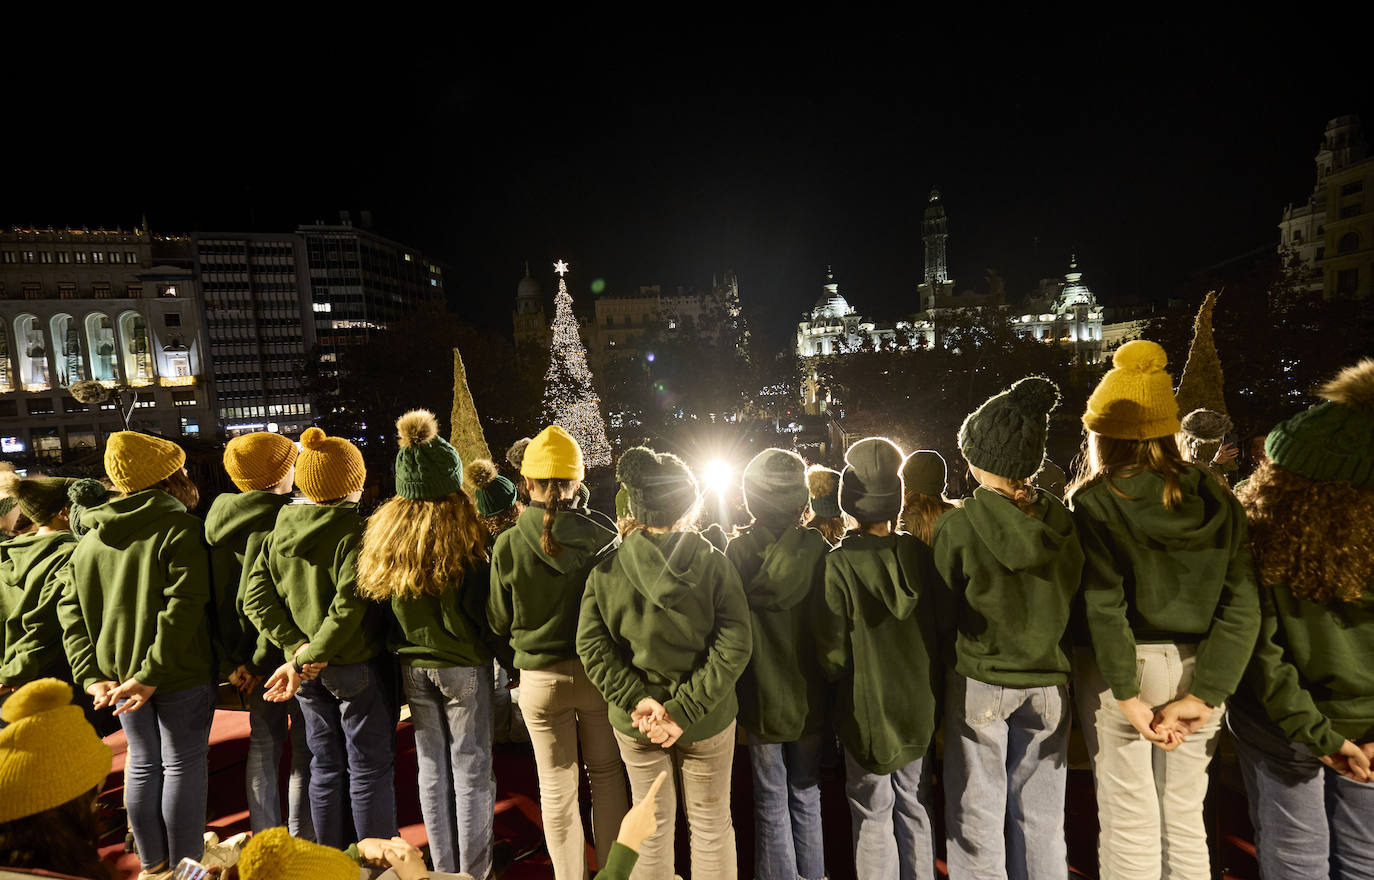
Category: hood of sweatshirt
<point>1017,541</point>
<point>665,568</point>
<point>19,555</point>
<point>885,568</point>
<point>119,521</point>
<point>233,514</point>
<point>780,582</point>
<point>301,527</point>
<point>581,538</point>
<point>1197,522</point>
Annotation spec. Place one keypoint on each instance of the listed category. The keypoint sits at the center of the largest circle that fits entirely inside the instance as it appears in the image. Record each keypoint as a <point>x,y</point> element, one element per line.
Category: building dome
<point>528,288</point>
<point>830,304</point>
<point>1074,292</point>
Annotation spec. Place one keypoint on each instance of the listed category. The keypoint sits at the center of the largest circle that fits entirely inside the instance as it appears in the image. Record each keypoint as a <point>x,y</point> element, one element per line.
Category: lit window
<point>9,257</point>
<point>130,257</point>
<point>64,256</point>
<point>97,256</point>
<point>82,257</point>
<point>115,257</point>
<point>45,256</point>
<point>29,256</point>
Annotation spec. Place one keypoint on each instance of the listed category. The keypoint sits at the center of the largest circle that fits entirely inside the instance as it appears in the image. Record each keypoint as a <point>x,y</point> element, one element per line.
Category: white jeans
<point>1149,801</point>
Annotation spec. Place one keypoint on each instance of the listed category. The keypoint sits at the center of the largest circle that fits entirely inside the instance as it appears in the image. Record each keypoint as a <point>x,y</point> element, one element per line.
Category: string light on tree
<point>570,401</point>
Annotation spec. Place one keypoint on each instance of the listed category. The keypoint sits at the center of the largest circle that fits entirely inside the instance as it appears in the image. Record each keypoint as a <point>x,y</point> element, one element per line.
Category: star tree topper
<point>561,267</point>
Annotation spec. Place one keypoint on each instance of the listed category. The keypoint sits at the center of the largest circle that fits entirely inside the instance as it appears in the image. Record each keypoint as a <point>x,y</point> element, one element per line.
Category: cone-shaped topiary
<point>1201,386</point>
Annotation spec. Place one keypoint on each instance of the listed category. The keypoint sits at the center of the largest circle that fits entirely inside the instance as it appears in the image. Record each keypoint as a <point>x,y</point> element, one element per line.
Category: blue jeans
<point>268,732</point>
<point>166,773</point>
<point>891,822</point>
<point>788,843</point>
<point>1309,820</point>
<point>352,737</point>
<point>1006,765</point>
<point>451,708</point>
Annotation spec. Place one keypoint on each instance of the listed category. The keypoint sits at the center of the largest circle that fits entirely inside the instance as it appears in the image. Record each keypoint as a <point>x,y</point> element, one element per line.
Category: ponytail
<point>1023,494</point>
<point>557,488</point>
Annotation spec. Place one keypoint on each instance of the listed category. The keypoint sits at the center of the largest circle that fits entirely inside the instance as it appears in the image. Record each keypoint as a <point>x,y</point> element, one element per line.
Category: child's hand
<point>1142,718</point>
<point>100,693</point>
<point>647,712</point>
<point>134,694</point>
<point>642,819</point>
<point>406,859</point>
<point>283,684</point>
<point>244,680</point>
<point>664,733</point>
<point>1186,714</point>
<point>1350,761</point>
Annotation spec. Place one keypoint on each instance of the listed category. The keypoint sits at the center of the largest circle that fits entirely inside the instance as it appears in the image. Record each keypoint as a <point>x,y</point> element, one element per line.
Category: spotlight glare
<point>716,476</point>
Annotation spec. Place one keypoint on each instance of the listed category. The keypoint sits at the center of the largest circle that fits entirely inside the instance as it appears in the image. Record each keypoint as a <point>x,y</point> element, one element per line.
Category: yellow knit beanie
<point>136,461</point>
<point>275,855</point>
<point>553,455</point>
<point>259,460</point>
<point>328,467</point>
<point>1135,400</point>
<point>49,753</point>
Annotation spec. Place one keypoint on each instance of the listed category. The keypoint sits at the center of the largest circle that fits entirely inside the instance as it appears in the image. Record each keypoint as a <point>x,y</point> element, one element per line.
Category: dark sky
<point>641,162</point>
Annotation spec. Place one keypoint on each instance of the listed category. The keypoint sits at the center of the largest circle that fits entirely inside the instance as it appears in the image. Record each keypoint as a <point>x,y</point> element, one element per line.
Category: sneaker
<point>161,872</point>
<point>223,853</point>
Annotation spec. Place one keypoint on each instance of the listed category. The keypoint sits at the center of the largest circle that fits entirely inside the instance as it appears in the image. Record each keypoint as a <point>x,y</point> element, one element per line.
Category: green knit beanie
<point>1006,435</point>
<point>495,494</point>
<point>823,485</point>
<point>7,504</point>
<point>39,498</point>
<point>871,483</point>
<point>924,472</point>
<point>1333,442</point>
<point>775,486</point>
<point>426,465</point>
<point>660,488</point>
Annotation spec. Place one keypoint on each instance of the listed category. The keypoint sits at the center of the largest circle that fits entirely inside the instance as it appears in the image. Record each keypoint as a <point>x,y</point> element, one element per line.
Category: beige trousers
<point>1149,801</point>
<point>702,769</point>
<point>562,708</point>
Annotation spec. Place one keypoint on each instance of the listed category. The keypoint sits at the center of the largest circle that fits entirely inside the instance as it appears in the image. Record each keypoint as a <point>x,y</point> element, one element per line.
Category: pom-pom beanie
<point>427,465</point>
<point>659,487</point>
<point>39,498</point>
<point>258,461</point>
<point>925,473</point>
<point>1333,442</point>
<point>515,456</point>
<point>328,468</point>
<point>275,855</point>
<point>1135,400</point>
<point>552,455</point>
<point>49,753</point>
<point>495,494</point>
<point>85,494</point>
<point>135,461</point>
<point>775,486</point>
<point>823,485</point>
<point>1206,425</point>
<point>1006,435</point>
<point>871,482</point>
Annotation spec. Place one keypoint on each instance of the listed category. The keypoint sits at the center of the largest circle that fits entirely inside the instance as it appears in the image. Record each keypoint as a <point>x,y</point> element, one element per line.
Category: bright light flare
<point>716,475</point>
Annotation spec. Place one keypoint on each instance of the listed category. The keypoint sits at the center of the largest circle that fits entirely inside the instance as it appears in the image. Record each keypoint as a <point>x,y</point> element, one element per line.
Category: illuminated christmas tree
<point>570,401</point>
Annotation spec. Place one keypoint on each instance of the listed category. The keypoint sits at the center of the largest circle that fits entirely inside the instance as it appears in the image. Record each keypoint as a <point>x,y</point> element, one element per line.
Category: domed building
<point>833,326</point>
<point>1067,313</point>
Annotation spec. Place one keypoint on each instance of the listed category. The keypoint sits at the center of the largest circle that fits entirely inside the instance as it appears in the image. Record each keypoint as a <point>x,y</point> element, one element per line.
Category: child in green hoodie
<point>30,635</point>
<point>301,594</point>
<point>664,635</point>
<point>782,691</point>
<point>1011,558</point>
<point>1171,607</point>
<point>425,552</point>
<point>263,467</point>
<point>133,613</point>
<point>538,575</point>
<point>1308,699</point>
<point>879,646</point>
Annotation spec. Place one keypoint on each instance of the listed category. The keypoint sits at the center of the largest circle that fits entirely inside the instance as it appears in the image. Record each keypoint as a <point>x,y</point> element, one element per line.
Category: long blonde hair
<point>1110,457</point>
<point>415,548</point>
<point>919,513</point>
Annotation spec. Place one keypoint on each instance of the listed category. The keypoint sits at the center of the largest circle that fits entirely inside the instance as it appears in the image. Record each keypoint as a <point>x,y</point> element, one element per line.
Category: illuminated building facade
<point>1332,233</point>
<point>112,306</point>
<point>1065,312</point>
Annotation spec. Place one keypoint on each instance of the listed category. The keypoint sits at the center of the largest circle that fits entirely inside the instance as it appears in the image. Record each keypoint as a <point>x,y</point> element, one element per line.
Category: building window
<point>81,257</point>
<point>9,257</point>
<point>64,256</point>
<point>66,291</point>
<point>40,406</point>
<point>1349,243</point>
<point>115,257</point>
<point>80,439</point>
<point>171,319</point>
<point>72,405</point>
<point>1350,211</point>
<point>134,291</point>
<point>29,256</point>
<point>184,397</point>
<point>1351,188</point>
<point>1297,236</point>
<point>1347,280</point>
<point>45,256</point>
<point>97,256</point>
<point>100,290</point>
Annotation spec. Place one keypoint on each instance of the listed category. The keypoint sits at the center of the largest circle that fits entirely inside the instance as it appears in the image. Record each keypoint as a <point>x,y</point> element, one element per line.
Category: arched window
<point>66,337</point>
<point>136,348</point>
<point>32,347</point>
<point>1349,243</point>
<point>100,342</point>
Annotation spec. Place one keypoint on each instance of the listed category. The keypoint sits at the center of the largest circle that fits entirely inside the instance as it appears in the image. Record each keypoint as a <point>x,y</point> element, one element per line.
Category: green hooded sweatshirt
<point>301,587</point>
<point>1313,669</point>
<point>1013,578</point>
<point>879,643</point>
<point>535,598</point>
<point>135,595</point>
<point>782,691</point>
<point>665,617</point>
<point>1154,575</point>
<point>234,529</point>
<point>30,635</point>
<point>449,629</point>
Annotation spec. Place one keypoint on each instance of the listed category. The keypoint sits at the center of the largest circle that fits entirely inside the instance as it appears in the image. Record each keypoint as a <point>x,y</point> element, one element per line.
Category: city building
<point>97,305</point>
<point>937,288</point>
<point>531,324</point>
<point>260,326</point>
<point>1332,233</point>
<point>1065,312</point>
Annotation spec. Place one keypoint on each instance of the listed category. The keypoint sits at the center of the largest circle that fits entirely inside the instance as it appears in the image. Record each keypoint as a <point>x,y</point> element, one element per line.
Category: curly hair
<point>497,523</point>
<point>62,839</point>
<point>1310,537</point>
<point>832,528</point>
<point>919,513</point>
<point>415,548</point>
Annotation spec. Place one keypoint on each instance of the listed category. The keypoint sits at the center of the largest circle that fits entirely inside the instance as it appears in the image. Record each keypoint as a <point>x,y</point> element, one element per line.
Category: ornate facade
<point>1332,233</point>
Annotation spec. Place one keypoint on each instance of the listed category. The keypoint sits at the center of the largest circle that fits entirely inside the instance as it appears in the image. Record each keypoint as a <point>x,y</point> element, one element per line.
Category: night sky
<point>642,162</point>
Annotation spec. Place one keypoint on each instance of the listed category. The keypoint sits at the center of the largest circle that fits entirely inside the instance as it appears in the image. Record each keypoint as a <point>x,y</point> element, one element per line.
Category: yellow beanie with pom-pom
<point>275,855</point>
<point>49,753</point>
<point>328,468</point>
<point>1135,400</point>
<point>259,460</point>
<point>136,461</point>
